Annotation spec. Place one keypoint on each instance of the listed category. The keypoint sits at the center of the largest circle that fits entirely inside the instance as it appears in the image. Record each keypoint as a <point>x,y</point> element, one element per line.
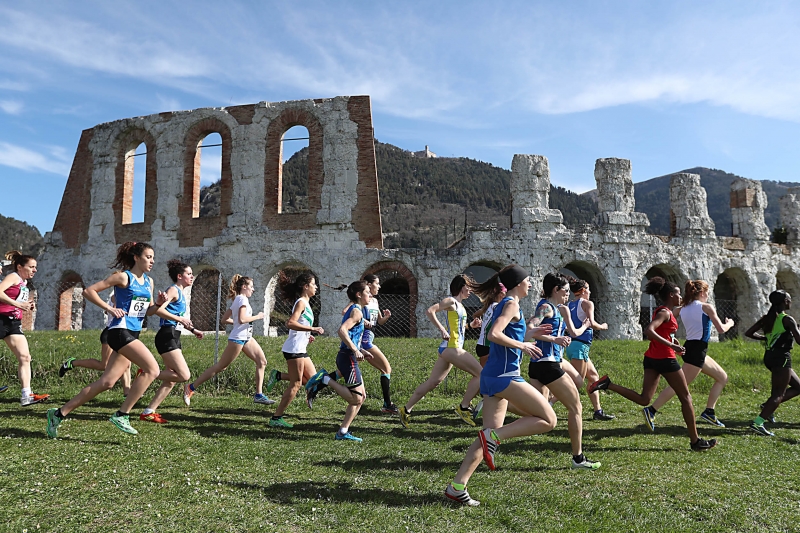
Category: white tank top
<point>297,342</point>
<point>696,322</point>
<point>240,332</point>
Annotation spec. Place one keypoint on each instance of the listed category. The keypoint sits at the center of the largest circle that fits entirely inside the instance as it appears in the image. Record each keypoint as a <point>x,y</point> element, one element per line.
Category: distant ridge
<point>18,235</point>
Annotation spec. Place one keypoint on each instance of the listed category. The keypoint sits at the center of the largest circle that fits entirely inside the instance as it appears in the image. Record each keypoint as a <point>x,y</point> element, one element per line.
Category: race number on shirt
<point>138,308</point>
<point>23,294</point>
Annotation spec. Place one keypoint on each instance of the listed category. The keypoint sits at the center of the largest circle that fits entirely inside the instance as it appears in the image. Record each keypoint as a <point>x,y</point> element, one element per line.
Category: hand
<point>25,306</point>
<point>728,321</point>
<point>678,348</point>
<point>31,306</point>
<point>259,316</point>
<point>531,350</point>
<point>562,341</point>
<point>445,335</point>
<point>476,323</point>
<point>359,355</point>
<point>311,338</point>
<point>544,329</point>
<point>116,312</point>
<point>386,313</point>
<point>602,326</point>
<point>198,333</point>
<point>366,354</point>
<point>161,298</point>
<point>186,323</point>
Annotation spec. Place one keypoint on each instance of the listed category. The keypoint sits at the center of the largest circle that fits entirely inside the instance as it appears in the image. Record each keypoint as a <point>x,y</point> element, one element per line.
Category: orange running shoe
<point>152,417</point>
<point>33,398</point>
<point>187,395</point>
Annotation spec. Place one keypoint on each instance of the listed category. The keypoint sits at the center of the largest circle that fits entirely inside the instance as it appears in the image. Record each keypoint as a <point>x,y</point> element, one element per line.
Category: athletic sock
<point>758,421</point>
<point>120,413</point>
<point>710,411</point>
<point>274,417</point>
<point>459,486</point>
<point>652,410</point>
<point>26,391</point>
<point>579,458</point>
<point>464,408</point>
<point>148,411</point>
<point>59,415</point>
<point>191,386</point>
<point>326,380</point>
<point>387,398</point>
<point>278,375</point>
<point>343,430</point>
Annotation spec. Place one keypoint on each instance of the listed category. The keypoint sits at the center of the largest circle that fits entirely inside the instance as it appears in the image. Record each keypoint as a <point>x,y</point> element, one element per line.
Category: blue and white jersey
<point>177,308</point>
<point>134,300</point>
<point>504,361</point>
<point>578,315</point>
<point>356,331</point>
<point>552,351</point>
<point>696,321</point>
<point>486,324</point>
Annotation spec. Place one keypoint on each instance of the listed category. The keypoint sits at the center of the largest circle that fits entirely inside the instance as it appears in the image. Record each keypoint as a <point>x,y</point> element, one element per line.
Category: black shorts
<point>775,360</point>
<point>695,354</point>
<point>662,366</point>
<point>104,336</point>
<point>168,339</point>
<point>481,350</point>
<point>545,372</point>
<point>10,326</point>
<point>118,338</point>
<point>289,356</point>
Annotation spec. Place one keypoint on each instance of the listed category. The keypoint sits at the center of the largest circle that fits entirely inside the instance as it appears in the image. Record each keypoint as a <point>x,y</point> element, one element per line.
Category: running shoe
<point>123,423</point>
<point>600,384</point>
<point>138,373</point>
<point>66,366</point>
<point>586,464</point>
<point>702,445</point>
<point>4,388</point>
<point>187,395</point>
<point>489,445</point>
<point>478,411</point>
<point>316,379</point>
<point>771,418</point>
<point>152,417</point>
<point>460,496</point>
<point>649,419</point>
<point>280,423</point>
<point>311,395</point>
<point>465,414</point>
<point>273,379</point>
<point>711,418</point>
<point>390,409</point>
<point>52,423</point>
<point>602,415</point>
<point>347,436</point>
<point>260,398</point>
<point>761,430</point>
<point>405,417</point>
<point>32,398</point>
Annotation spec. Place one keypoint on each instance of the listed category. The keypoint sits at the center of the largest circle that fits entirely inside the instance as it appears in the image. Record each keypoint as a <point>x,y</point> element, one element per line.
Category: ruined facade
<point>339,237</point>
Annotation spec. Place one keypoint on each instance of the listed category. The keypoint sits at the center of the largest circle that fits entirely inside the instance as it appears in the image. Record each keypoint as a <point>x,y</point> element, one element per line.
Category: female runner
<point>301,333</point>
<point>777,331</point>
<point>350,353</point>
<point>577,351</point>
<point>502,383</point>
<point>451,351</point>
<point>168,339</point>
<point>133,295</point>
<point>14,299</point>
<point>546,371</point>
<point>697,316</point>
<point>240,314</point>
<point>659,360</point>
<point>373,317</point>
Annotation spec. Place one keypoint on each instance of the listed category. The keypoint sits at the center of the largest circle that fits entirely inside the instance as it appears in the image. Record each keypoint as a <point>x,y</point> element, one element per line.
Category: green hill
<point>18,235</point>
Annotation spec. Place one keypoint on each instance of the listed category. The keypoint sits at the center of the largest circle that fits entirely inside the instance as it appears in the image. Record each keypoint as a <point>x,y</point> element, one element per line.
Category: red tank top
<point>667,331</point>
<point>17,292</point>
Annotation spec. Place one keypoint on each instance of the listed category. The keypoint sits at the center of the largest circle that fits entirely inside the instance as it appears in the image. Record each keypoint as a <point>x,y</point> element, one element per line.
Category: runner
<point>240,339</point>
<point>105,354</point>
<point>14,299</point>
<point>373,317</point>
<point>659,360</point>
<point>546,371</point>
<point>301,327</point>
<point>577,351</point>
<point>350,353</point>
<point>174,321</point>
<point>777,331</point>
<point>133,297</point>
<point>451,351</point>
<point>502,383</point>
<point>697,316</point>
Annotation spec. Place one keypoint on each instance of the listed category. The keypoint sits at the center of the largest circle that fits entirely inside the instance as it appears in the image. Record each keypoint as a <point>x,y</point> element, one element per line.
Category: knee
<point>104,384</point>
<point>356,398</point>
<point>724,379</point>
<point>261,362</point>
<point>184,375</point>
<point>687,399</point>
<point>577,408</point>
<point>24,359</point>
<point>551,420</point>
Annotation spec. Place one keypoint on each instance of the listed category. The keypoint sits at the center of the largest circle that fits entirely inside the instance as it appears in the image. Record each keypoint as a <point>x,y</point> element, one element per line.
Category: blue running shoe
<point>316,379</point>
<point>347,436</point>
<point>4,388</point>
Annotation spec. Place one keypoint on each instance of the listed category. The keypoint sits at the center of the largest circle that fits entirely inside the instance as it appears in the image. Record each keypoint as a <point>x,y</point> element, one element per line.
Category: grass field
<point>219,467</point>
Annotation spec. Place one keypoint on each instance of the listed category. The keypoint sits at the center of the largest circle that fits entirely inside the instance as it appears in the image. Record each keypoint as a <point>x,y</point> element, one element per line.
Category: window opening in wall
<point>208,174</point>
<point>139,162</point>
<point>294,170</point>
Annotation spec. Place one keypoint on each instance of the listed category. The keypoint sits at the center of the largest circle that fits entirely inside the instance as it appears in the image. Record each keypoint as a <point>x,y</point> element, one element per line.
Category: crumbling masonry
<point>339,237</point>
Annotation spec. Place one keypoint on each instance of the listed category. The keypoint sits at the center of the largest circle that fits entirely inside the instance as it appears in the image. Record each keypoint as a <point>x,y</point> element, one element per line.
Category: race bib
<point>138,308</point>
<point>23,294</point>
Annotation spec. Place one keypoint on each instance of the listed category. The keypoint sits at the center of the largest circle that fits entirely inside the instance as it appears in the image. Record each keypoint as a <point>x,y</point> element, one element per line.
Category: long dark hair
<point>459,282</point>
<point>291,290</point>
<point>553,281</point>
<point>354,288</point>
<point>126,254</point>
<point>176,268</point>
<point>777,300</point>
<point>18,259</point>
<point>660,288</point>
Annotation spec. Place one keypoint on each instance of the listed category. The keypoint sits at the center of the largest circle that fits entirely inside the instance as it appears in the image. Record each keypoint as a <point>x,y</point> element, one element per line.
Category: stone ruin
<point>339,237</point>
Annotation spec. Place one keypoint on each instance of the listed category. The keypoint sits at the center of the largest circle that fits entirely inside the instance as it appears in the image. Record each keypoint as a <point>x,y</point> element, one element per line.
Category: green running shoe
<point>273,379</point>
<point>123,423</point>
<point>280,423</point>
<point>65,367</point>
<point>52,423</point>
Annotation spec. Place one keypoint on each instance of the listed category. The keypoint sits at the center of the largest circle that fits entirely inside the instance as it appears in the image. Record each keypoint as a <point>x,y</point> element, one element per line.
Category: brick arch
<point>125,144</point>
<point>69,313</point>
<point>193,230</point>
<point>406,274</point>
<point>273,171</point>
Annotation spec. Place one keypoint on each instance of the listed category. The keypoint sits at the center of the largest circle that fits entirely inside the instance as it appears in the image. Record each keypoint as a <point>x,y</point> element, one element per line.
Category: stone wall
<point>339,239</point>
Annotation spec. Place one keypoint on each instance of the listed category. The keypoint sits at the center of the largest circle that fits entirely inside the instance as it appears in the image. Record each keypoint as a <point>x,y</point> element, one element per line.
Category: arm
<point>571,331</point>
<point>661,317</point>
<point>294,320</point>
<point>448,304</point>
<point>542,312</point>
<point>161,310</point>
<point>588,308</point>
<point>347,325</point>
<point>722,327</point>
<point>384,317</point>
<point>117,279</point>
<point>244,318</point>
<point>753,332</point>
<point>226,318</point>
<point>4,298</point>
<point>496,334</point>
<point>155,304</point>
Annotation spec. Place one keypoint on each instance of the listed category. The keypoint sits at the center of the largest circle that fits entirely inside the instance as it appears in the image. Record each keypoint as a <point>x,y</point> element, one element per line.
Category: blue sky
<point>669,85</point>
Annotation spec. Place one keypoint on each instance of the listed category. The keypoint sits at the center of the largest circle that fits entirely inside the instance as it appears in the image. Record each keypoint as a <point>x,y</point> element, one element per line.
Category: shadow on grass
<point>300,492</point>
<point>386,463</point>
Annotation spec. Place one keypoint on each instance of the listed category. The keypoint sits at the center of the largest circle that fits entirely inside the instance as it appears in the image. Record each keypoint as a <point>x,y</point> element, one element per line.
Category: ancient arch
<point>788,281</point>
<point>69,313</point>
<point>648,303</point>
<point>125,146</point>
<point>598,285</point>
<point>732,291</point>
<point>399,295</point>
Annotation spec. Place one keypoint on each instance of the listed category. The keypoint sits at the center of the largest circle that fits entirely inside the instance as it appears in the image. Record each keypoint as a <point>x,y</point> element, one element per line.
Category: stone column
<point>748,202</point>
<point>615,194</point>
<point>790,215</point>
<point>530,191</point>
<point>689,207</point>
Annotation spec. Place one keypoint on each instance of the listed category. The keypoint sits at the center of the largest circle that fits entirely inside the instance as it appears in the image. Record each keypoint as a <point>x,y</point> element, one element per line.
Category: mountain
<point>650,197</point>
<point>18,235</point>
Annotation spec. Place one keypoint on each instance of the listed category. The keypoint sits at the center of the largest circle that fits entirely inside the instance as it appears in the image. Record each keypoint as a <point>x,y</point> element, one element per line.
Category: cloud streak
<point>31,161</point>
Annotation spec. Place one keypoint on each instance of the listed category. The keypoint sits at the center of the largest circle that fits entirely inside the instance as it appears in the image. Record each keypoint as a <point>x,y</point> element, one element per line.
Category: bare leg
<point>712,369</point>
<point>690,372</point>
<point>117,364</point>
<point>18,345</point>
<point>253,350</point>
<point>440,370</point>
<point>649,385</point>
<point>678,383</point>
<point>564,389</point>
<point>295,374</point>
<point>228,356</point>
<point>379,361</point>
<point>463,360</point>
<point>592,376</point>
<point>137,353</point>
<point>781,378</point>
<point>175,361</point>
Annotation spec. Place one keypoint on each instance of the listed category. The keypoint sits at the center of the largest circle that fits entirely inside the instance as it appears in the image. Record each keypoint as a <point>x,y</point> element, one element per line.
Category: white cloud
<point>24,159</point>
<point>12,107</point>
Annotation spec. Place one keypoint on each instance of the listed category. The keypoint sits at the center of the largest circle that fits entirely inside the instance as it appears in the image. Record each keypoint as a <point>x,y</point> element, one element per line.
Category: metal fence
<point>399,324</point>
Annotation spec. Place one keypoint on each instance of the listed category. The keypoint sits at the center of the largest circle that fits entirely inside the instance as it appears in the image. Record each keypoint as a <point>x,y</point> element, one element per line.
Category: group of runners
<point>556,341</point>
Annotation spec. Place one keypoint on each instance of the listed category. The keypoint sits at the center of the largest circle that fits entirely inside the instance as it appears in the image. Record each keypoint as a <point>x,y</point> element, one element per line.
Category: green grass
<point>218,467</point>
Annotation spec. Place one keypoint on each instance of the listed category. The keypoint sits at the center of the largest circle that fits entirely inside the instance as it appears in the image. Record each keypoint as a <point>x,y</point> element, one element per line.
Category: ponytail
<point>126,254</point>
<point>18,259</point>
<point>487,292</point>
<point>291,290</point>
<point>693,289</point>
<point>236,285</point>
<point>660,288</point>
